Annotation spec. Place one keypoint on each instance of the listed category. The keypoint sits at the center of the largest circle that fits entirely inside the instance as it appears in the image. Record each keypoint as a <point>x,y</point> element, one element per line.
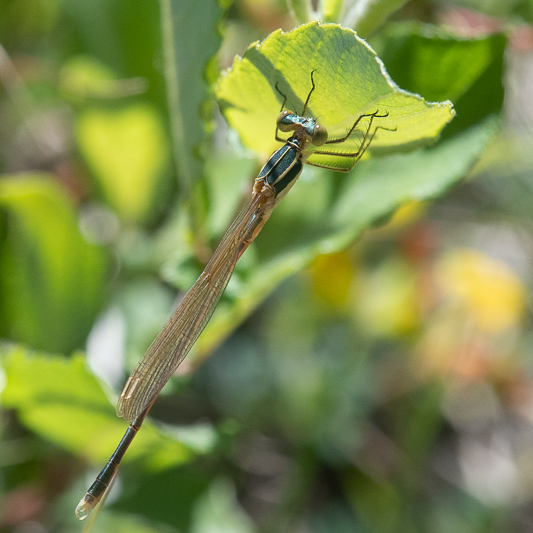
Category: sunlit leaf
<point>61,400</point>
<point>350,81</point>
<point>331,10</point>
<point>127,151</point>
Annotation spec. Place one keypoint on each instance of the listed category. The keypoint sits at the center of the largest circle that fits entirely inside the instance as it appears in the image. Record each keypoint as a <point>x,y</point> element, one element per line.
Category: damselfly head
<point>288,121</point>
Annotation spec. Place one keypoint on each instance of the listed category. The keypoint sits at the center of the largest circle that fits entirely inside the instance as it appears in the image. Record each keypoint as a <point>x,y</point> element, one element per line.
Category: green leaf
<point>326,212</point>
<point>126,44</point>
<point>51,279</point>
<point>371,16</point>
<point>219,511</point>
<point>191,39</point>
<point>430,61</point>
<point>228,181</point>
<point>83,77</point>
<point>126,150</point>
<point>300,10</point>
<point>350,81</point>
<point>331,10</point>
<point>59,399</point>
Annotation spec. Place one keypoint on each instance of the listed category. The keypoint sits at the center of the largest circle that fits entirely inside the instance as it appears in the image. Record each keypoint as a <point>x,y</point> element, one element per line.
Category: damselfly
<point>181,331</point>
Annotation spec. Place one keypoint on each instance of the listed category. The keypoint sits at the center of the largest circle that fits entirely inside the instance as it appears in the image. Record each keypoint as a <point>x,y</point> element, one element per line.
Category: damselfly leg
<point>288,121</point>
<point>368,136</point>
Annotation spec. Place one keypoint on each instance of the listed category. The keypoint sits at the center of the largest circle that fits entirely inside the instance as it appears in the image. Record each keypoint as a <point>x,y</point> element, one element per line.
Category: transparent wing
<point>183,328</point>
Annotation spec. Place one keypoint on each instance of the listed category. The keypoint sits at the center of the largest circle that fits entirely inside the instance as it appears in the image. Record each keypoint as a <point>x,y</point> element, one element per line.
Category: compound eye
<point>285,122</point>
<point>320,135</point>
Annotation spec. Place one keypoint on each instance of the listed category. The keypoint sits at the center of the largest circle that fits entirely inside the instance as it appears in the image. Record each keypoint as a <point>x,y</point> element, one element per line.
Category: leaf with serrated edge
<point>350,81</point>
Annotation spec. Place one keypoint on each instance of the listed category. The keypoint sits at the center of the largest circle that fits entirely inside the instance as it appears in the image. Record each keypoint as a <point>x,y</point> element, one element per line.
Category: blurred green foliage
<point>383,386</point>
<point>52,279</point>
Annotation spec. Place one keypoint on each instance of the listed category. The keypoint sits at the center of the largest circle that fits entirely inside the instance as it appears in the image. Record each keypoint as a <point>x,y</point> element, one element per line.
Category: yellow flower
<point>485,289</point>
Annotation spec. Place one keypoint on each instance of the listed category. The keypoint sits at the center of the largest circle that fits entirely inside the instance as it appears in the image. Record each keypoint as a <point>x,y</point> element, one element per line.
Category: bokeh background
<point>383,388</point>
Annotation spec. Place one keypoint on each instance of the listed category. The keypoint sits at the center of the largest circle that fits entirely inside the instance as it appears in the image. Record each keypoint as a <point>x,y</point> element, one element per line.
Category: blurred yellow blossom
<point>387,299</point>
<point>490,294</point>
<point>332,276</point>
<point>407,214</point>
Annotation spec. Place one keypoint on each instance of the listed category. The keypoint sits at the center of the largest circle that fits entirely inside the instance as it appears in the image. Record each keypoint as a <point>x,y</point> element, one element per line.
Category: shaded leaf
<point>191,39</point>
<point>469,72</point>
<point>51,280</point>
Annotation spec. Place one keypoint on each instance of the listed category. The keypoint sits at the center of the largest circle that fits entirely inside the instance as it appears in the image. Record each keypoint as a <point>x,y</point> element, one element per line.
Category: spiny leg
<point>365,143</point>
<point>328,167</point>
<point>356,155</point>
<point>355,124</point>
